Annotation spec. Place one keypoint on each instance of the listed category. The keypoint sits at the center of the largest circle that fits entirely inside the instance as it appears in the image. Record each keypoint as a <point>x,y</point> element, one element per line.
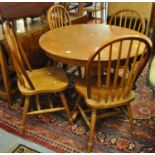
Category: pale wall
<point>143,7</point>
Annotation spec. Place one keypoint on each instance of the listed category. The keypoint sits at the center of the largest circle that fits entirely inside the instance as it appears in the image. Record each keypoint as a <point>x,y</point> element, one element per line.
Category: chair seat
<point>94,102</point>
<point>45,80</point>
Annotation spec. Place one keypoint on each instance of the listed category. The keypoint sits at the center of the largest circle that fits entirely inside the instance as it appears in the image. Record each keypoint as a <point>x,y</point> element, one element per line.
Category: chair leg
<point>95,17</point>
<point>65,66</point>
<point>101,16</point>
<point>20,101</point>
<point>153,93</point>
<point>63,99</point>
<point>75,111</point>
<point>130,116</point>
<point>26,107</point>
<point>91,133</point>
<point>79,72</point>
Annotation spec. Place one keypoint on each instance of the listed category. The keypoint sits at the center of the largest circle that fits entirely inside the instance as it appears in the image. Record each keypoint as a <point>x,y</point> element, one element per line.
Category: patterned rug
<point>112,134</point>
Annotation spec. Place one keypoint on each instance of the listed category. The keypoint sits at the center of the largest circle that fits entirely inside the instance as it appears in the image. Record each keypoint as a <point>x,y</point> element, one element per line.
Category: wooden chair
<point>57,17</point>
<point>108,91</point>
<point>129,19</point>
<point>96,7</point>
<point>151,74</point>
<point>6,93</point>
<point>35,82</point>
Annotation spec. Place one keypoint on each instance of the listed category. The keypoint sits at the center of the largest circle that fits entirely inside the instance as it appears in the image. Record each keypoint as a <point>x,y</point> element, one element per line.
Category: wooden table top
<point>74,44</point>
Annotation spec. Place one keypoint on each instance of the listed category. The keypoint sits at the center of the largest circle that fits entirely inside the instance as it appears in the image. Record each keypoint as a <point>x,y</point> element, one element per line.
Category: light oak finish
<point>151,74</point>
<point>57,17</point>
<point>131,19</point>
<point>35,82</point>
<point>97,7</point>
<point>75,43</point>
<point>6,93</point>
<point>30,35</point>
<point>107,90</point>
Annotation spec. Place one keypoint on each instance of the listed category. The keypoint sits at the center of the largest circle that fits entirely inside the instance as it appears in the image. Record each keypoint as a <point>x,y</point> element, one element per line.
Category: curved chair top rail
<point>128,18</point>
<point>58,16</point>
<point>117,86</point>
<point>17,54</point>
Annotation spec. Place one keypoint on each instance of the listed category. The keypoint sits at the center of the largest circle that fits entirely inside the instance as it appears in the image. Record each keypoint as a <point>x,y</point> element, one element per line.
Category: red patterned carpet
<point>112,134</point>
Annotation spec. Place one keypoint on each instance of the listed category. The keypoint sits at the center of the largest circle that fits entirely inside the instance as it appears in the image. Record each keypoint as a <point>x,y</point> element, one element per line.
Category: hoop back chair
<point>128,19</point>
<point>110,91</point>
<point>96,7</point>
<point>35,82</point>
<point>58,16</point>
<point>6,93</point>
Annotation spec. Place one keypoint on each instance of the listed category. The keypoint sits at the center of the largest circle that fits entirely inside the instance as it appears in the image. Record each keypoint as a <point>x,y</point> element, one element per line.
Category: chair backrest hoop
<point>58,16</point>
<point>18,55</point>
<point>131,51</point>
<point>135,22</point>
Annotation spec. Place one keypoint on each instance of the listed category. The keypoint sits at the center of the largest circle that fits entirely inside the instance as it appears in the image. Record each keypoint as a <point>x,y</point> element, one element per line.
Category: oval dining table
<point>74,44</point>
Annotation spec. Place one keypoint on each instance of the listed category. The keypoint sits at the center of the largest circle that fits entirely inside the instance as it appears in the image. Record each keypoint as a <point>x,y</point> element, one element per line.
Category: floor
<point>9,141</point>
